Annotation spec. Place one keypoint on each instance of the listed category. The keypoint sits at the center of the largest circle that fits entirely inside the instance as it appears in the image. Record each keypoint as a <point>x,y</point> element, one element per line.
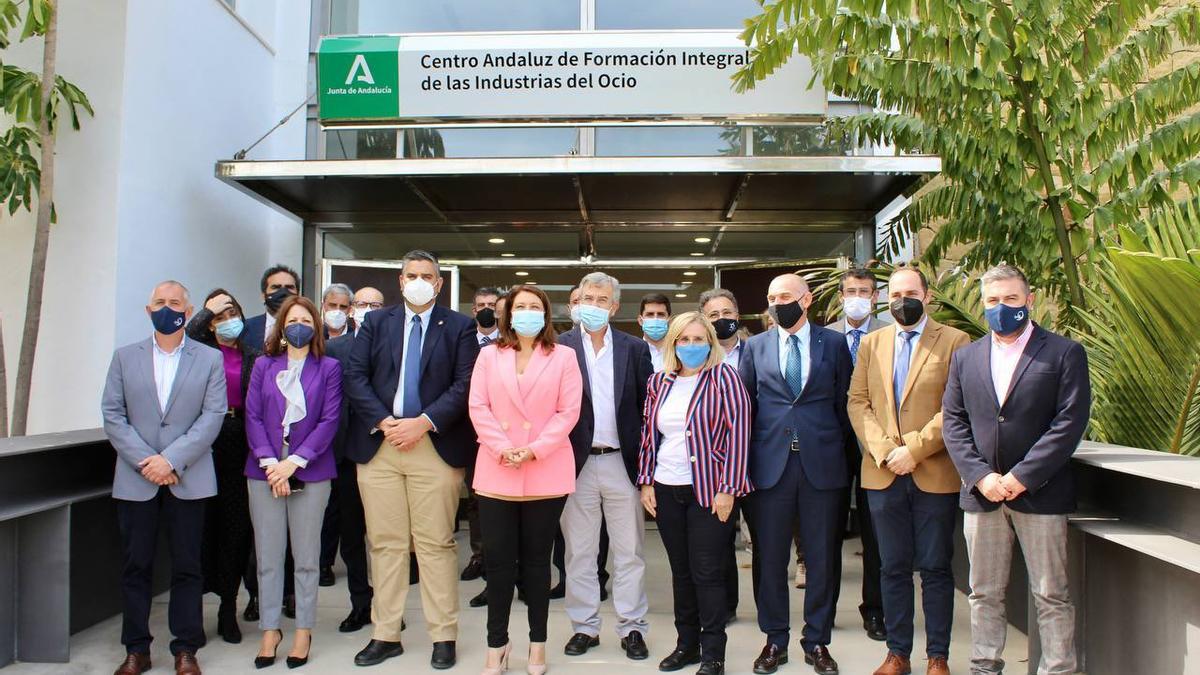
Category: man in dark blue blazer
<point>276,284</point>
<point>408,380</point>
<point>1016,406</point>
<point>606,441</point>
<point>797,375</point>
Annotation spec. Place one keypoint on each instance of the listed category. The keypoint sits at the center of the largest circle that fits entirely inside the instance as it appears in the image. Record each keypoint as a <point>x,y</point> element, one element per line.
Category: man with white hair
<point>606,441</point>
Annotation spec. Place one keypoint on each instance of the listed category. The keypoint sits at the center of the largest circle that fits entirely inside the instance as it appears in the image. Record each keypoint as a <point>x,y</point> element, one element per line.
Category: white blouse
<point>673,466</point>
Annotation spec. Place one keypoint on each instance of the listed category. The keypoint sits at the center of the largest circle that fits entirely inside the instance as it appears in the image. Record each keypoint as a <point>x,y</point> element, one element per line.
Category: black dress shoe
<point>289,606</point>
<point>875,628</point>
<point>635,646</point>
<point>327,578</point>
<point>443,655</point>
<point>712,668</point>
<point>821,661</point>
<point>479,600</point>
<point>251,613</point>
<point>357,618</point>
<point>559,592</point>
<point>377,651</point>
<point>679,659</point>
<point>261,662</point>
<point>294,662</point>
<point>769,659</point>
<point>473,570</point>
<point>580,643</point>
<point>227,625</point>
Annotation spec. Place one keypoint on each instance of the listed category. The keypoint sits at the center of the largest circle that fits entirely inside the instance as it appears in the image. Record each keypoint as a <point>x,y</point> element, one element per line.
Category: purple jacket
<point>311,437</point>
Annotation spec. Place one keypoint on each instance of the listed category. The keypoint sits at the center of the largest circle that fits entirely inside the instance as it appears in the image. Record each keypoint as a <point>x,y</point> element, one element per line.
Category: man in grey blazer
<point>858,293</point>
<point>163,404</point>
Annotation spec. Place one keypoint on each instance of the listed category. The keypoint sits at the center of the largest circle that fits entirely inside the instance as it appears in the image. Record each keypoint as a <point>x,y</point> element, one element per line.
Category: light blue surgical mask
<point>692,356</point>
<point>592,317</point>
<point>231,329</point>
<point>655,329</point>
<point>528,322</point>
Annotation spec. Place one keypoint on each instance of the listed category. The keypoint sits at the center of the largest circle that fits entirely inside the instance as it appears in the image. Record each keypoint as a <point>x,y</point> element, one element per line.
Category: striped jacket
<point>718,432</point>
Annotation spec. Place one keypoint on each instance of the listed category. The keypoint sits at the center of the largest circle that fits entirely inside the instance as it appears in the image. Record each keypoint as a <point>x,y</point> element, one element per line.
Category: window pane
<point>665,14</point>
<point>360,144</point>
<point>545,142</point>
<point>669,141</point>
<point>424,16</point>
<point>798,141</point>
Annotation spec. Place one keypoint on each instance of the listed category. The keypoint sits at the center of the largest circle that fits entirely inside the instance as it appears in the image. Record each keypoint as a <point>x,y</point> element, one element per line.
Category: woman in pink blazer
<point>525,397</point>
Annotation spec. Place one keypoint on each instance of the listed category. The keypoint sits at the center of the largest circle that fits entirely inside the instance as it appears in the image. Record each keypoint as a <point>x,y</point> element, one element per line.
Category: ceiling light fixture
<point>702,240</point>
<point>495,240</point>
<point>522,274</point>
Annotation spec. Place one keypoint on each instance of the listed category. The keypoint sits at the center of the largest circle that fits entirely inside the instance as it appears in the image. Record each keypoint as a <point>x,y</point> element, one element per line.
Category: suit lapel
<point>437,328</point>
<point>396,327</point>
<point>887,351</point>
<point>773,370</point>
<point>146,372</point>
<point>984,364</point>
<point>534,369</point>
<point>1035,344</point>
<point>574,339</point>
<point>507,362</point>
<point>698,393</point>
<point>816,352</point>
<point>185,364</point>
<point>620,356</point>
<point>925,345</point>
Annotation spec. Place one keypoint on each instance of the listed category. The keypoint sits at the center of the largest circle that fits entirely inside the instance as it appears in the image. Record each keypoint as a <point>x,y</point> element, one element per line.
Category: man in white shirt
<point>654,313</point>
<point>366,300</point>
<point>336,308</point>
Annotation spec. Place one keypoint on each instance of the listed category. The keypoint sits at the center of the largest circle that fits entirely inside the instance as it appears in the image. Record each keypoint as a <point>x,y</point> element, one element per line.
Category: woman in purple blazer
<point>292,412</point>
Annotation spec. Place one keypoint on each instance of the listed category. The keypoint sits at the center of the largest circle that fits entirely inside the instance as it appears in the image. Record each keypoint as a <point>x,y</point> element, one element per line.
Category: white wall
<point>176,86</point>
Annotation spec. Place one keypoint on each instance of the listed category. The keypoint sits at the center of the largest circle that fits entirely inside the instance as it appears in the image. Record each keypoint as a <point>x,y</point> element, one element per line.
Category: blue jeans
<point>915,531</point>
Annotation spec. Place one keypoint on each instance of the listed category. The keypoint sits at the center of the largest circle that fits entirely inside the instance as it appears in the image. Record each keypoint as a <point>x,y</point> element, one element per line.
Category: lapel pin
<point>441,322</point>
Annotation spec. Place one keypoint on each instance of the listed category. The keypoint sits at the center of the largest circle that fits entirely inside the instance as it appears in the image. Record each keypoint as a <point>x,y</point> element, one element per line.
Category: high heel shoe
<point>296,661</point>
<point>504,652</point>
<point>261,662</point>
<point>536,668</point>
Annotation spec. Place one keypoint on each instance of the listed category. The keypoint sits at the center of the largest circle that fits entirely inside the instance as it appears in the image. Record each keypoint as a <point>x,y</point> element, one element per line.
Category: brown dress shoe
<point>186,664</point>
<point>937,666</point>
<point>770,659</point>
<point>134,664</point>
<point>821,660</point>
<point>894,664</point>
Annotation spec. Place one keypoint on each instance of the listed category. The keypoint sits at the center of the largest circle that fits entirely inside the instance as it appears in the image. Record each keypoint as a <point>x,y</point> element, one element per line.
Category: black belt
<point>602,451</point>
<point>234,413</point>
<point>795,445</point>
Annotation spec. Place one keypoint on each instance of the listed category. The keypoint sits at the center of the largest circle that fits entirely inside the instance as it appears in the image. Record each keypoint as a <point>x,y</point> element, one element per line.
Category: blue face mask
<point>692,356</point>
<point>167,321</point>
<point>1006,320</point>
<point>230,330</point>
<point>298,335</point>
<point>528,322</point>
<point>655,329</point>
<point>592,317</point>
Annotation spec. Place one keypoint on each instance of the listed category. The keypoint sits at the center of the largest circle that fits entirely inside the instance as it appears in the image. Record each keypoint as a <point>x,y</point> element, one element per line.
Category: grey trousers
<point>299,516</point>
<point>603,490</point>
<point>1043,541</point>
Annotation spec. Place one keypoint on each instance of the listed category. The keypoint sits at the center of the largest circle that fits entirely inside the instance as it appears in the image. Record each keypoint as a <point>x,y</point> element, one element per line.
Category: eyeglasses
<point>368,305</point>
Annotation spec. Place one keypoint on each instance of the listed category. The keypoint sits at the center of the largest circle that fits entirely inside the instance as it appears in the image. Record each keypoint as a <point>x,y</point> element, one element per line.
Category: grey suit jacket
<point>877,322</point>
<point>183,433</point>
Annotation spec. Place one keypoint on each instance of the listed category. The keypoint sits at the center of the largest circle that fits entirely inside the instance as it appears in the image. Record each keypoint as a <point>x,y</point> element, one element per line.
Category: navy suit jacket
<point>254,331</point>
<point>447,359</point>
<point>631,370</point>
<point>1033,434</point>
<point>340,348</point>
<point>817,416</point>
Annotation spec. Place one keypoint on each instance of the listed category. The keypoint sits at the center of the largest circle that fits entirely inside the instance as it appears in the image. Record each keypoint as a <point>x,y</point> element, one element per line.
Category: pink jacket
<point>536,410</point>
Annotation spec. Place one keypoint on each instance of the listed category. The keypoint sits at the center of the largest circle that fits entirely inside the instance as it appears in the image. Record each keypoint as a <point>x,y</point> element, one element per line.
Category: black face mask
<point>486,318</point>
<point>787,315</point>
<point>275,300</point>
<point>725,328</point>
<point>907,311</point>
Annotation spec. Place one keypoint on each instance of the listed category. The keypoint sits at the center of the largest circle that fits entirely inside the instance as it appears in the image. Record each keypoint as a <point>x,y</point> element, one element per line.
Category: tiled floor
<point>98,649</point>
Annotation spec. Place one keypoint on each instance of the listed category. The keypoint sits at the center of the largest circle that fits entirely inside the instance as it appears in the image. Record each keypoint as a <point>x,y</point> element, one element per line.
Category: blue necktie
<point>856,338</point>
<point>412,371</point>
<point>792,372</point>
<point>900,376</point>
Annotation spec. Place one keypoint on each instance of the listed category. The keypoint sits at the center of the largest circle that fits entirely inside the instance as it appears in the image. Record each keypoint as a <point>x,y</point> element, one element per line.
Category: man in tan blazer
<point>895,406</point>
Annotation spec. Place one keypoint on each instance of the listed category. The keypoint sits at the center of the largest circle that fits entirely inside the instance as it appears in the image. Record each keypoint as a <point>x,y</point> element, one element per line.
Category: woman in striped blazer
<point>693,464</point>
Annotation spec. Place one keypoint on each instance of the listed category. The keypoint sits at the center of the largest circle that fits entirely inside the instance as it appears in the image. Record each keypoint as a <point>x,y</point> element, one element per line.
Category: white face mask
<point>360,314</point>
<point>418,292</point>
<point>335,319</point>
<point>857,308</point>
<point>575,315</point>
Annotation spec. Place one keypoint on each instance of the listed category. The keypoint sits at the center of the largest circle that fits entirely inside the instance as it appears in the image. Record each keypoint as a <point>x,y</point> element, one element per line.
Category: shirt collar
<point>160,350</point>
<point>1020,342</point>
<point>801,334</point>
<point>864,328</point>
<point>409,314</point>
<point>919,329</point>
<point>491,336</point>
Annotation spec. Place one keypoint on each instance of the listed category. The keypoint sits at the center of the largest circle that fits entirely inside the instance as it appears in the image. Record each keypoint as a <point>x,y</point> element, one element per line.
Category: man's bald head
<point>368,294</point>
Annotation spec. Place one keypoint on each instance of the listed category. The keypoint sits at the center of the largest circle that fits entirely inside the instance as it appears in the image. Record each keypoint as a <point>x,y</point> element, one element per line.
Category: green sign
<point>358,78</point>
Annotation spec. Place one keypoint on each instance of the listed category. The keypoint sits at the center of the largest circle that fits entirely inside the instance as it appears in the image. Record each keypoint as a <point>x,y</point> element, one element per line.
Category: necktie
<point>792,372</point>
<point>855,338</point>
<point>485,341</point>
<point>900,374</point>
<point>412,371</point>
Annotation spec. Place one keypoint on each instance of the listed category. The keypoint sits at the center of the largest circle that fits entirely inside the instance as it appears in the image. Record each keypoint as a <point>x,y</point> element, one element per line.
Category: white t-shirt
<point>674,465</point>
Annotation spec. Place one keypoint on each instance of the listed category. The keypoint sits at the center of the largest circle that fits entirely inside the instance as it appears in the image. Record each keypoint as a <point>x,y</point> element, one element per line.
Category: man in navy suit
<point>408,379</point>
<point>277,283</point>
<point>1016,405</point>
<point>606,441</point>
<point>797,374</point>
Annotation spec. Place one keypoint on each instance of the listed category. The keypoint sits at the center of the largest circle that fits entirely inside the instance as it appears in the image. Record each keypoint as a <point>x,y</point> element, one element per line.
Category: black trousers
<point>353,534</point>
<point>138,523</point>
<point>698,545</point>
<point>731,567</point>
<point>518,535</point>
<point>228,533</point>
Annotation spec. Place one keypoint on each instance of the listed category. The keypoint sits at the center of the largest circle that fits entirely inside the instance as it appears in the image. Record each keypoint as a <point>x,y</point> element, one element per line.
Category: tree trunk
<point>41,236</point>
<point>3,388</point>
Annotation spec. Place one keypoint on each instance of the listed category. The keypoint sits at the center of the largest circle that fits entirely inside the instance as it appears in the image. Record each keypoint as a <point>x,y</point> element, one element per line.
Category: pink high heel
<point>504,652</point>
<point>536,668</point>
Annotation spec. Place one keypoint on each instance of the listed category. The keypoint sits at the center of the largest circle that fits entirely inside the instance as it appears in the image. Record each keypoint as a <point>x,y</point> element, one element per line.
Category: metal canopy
<point>812,191</point>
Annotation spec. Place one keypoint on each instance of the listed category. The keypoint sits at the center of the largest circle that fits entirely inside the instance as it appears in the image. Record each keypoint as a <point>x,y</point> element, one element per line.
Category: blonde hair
<point>716,354</point>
